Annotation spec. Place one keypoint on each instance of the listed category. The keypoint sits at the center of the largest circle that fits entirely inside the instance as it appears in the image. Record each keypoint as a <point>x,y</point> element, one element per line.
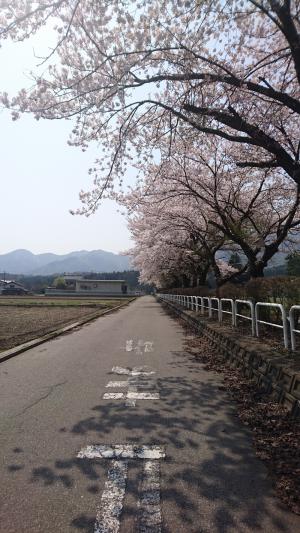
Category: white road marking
<point>136,371</point>
<point>111,504</point>
<point>117,384</point>
<point>142,371</point>
<point>142,395</point>
<point>129,345</point>
<point>140,347</point>
<point>122,451</point>
<point>113,396</point>
<point>137,378</point>
<point>130,403</point>
<point>131,395</point>
<point>112,500</point>
<point>148,346</point>
<point>121,370</point>
<point>150,519</point>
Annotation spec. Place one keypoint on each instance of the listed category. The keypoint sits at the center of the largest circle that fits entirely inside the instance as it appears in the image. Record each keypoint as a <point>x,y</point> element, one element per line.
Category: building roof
<point>102,280</point>
<point>8,281</point>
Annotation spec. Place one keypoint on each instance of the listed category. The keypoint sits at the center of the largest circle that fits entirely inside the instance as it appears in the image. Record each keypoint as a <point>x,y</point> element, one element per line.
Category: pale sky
<point>41,177</point>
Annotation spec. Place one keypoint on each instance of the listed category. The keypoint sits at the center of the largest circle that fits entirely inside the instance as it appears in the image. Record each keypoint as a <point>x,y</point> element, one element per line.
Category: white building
<point>101,286</point>
<point>78,286</point>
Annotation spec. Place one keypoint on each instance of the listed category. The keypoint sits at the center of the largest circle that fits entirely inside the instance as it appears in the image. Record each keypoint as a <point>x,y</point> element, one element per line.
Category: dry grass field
<point>22,320</point>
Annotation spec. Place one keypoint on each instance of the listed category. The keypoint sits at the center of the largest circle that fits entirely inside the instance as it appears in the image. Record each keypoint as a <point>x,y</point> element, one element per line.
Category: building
<point>11,287</point>
<point>101,286</point>
<point>79,286</point>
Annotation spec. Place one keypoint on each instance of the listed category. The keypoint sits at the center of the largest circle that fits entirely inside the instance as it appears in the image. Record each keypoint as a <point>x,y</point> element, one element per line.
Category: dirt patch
<point>20,324</point>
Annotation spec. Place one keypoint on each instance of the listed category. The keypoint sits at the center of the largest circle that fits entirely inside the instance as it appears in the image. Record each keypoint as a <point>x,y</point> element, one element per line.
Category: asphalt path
<point>52,408</point>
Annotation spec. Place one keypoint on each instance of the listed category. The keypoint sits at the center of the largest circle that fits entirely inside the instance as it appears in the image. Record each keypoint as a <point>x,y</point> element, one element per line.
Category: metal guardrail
<point>201,303</point>
<point>222,310</point>
<point>292,325</point>
<point>204,299</point>
<point>246,317</point>
<point>282,326</point>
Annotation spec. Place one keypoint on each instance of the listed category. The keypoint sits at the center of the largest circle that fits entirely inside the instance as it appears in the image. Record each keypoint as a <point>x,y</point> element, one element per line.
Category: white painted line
<point>117,384</point>
<point>131,395</point>
<point>129,345</point>
<point>139,347</point>
<point>142,395</point>
<point>113,396</point>
<point>120,370</point>
<point>148,346</point>
<point>111,504</point>
<point>136,371</point>
<point>122,451</point>
<point>138,378</point>
<point>130,403</point>
<point>142,371</point>
<point>150,519</point>
<point>141,383</point>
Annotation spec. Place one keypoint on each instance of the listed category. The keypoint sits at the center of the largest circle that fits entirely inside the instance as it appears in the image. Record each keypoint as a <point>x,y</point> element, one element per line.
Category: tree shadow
<point>210,474</point>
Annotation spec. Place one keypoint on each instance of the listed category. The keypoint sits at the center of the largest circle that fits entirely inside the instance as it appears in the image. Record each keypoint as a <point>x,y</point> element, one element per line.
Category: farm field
<point>22,320</point>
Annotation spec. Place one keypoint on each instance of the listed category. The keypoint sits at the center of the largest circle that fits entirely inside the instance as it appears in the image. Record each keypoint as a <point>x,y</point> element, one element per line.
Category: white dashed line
<point>150,519</point>
<point>136,371</point>
<point>138,377</point>
<point>131,395</point>
<point>111,503</point>
<point>142,371</point>
<point>121,370</point>
<point>142,395</point>
<point>113,396</point>
<point>117,384</point>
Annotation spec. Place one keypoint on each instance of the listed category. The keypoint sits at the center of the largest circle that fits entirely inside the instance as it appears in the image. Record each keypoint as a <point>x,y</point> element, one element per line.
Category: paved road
<point>52,407</point>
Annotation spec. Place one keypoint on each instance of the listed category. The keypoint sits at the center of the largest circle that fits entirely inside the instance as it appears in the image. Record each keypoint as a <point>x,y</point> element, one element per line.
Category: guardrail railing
<point>200,304</point>
<point>293,330</point>
<point>246,317</point>
<point>283,325</point>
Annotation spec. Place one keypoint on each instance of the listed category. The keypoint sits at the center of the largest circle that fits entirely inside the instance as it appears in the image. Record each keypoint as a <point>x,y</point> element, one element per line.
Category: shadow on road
<point>210,475</point>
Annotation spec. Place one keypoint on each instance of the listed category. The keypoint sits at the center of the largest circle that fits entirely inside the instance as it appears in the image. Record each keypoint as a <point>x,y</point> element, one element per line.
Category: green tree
<point>59,283</point>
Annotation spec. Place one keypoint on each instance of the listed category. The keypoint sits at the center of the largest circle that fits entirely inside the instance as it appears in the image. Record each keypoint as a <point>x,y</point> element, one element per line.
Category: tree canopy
<point>145,77</point>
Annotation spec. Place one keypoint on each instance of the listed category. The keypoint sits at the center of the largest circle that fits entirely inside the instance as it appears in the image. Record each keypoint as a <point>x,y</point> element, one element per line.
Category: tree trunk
<point>256,270</point>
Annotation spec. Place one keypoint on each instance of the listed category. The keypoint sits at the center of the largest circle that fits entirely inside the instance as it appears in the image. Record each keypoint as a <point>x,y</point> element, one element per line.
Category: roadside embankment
<point>275,372</point>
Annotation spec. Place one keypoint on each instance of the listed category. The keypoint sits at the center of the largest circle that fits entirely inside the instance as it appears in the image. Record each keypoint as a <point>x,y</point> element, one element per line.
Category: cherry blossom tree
<point>132,73</point>
<point>255,211</point>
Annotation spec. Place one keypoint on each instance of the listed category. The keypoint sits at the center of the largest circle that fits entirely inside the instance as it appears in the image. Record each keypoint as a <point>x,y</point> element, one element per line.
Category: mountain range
<point>27,263</point>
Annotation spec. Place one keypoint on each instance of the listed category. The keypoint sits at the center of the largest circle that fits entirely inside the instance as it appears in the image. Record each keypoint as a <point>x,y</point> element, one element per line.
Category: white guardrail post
<point>195,303</point>
<point>192,302</point>
<point>292,325</point>
<point>232,312</point>
<point>252,314</point>
<point>213,299</point>
<point>206,306</point>
<point>201,304</point>
<point>284,326</point>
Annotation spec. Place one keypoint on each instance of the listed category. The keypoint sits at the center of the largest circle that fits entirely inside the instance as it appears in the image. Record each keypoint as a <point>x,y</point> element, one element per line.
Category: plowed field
<point>22,324</point>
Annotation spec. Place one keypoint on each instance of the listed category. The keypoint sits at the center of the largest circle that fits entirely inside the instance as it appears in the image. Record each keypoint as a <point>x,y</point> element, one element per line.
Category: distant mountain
<point>25,262</point>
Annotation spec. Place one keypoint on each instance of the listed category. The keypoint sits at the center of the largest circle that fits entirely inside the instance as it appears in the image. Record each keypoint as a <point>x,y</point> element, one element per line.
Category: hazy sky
<point>41,177</point>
